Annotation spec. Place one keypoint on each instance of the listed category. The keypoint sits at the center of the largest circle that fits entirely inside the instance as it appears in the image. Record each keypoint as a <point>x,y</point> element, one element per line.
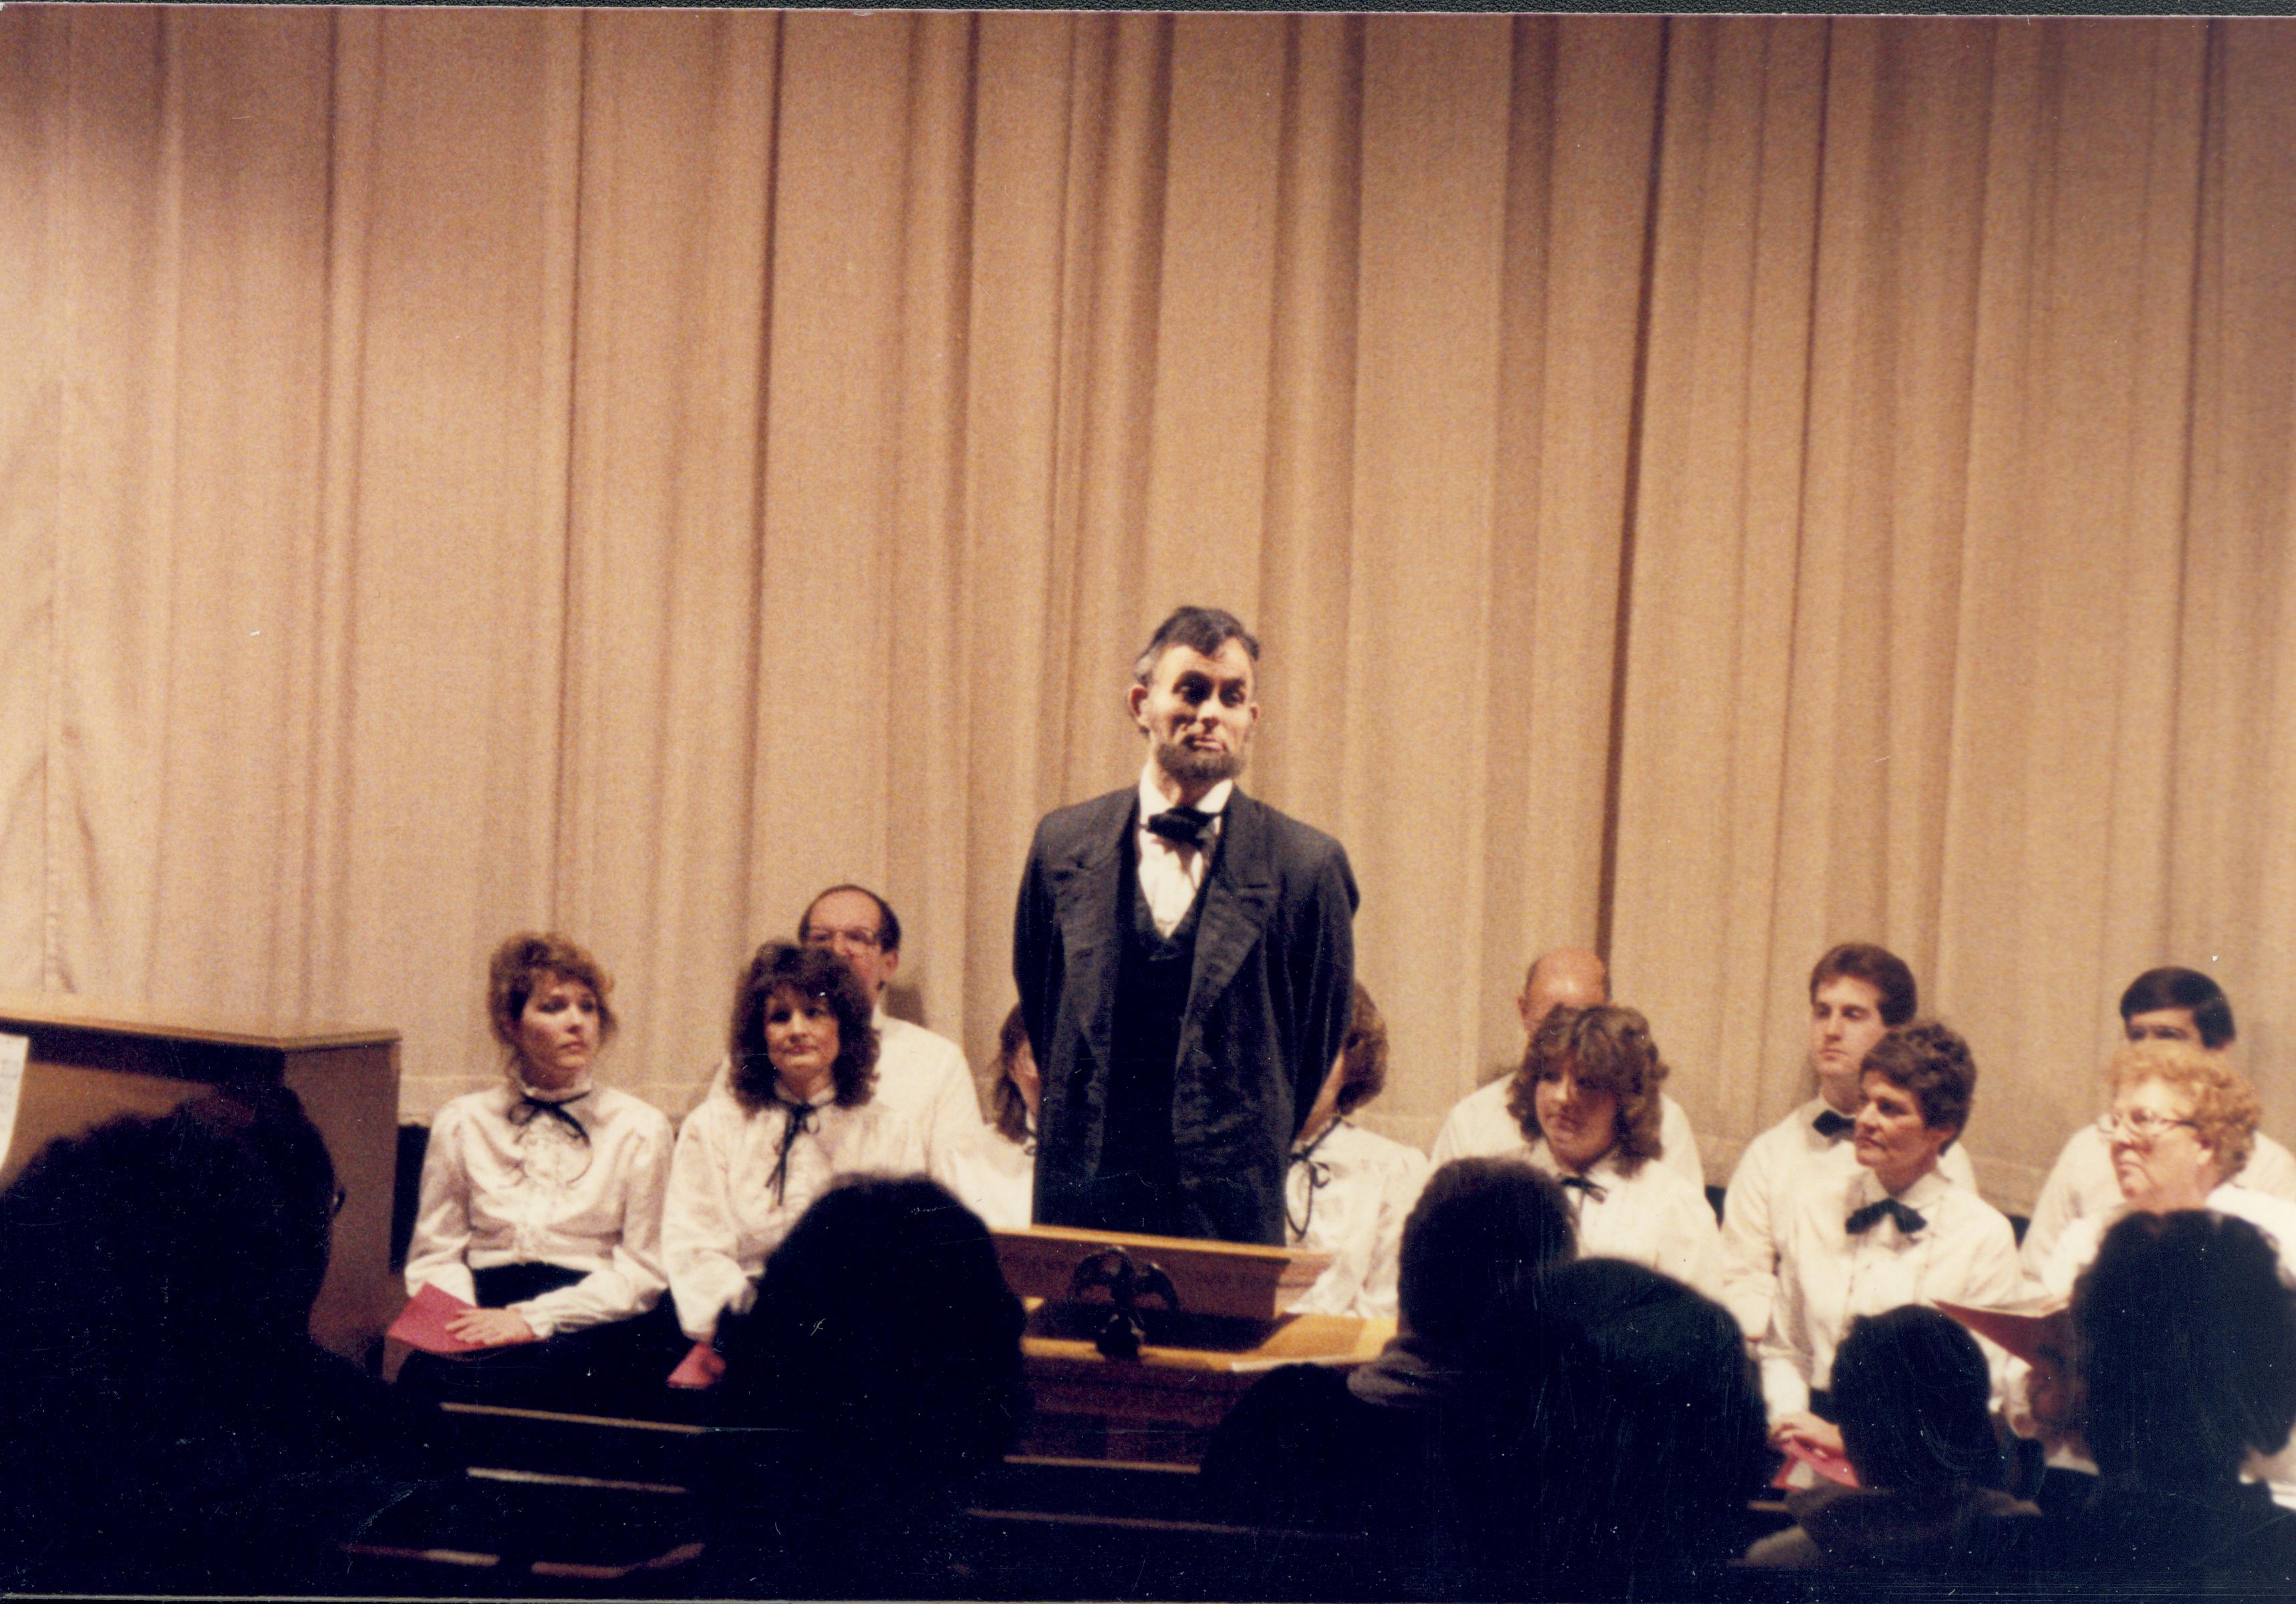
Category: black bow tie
<point>1183,826</point>
<point>797,1119</point>
<point>528,1109</point>
<point>1863,1220</point>
<point>1593,1188</point>
<point>1832,1126</point>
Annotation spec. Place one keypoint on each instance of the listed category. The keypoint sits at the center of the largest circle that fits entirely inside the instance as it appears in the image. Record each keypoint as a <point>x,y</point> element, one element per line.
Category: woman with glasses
<point>799,1109</point>
<point>541,1199</point>
<point>2182,1122</point>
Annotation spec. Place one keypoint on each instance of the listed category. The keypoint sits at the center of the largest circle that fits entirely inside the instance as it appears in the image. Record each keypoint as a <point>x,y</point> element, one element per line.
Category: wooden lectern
<point>1211,1318</point>
<point>88,1062</point>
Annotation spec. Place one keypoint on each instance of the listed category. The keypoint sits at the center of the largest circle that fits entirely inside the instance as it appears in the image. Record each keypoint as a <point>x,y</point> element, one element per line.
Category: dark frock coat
<point>1269,1002</point>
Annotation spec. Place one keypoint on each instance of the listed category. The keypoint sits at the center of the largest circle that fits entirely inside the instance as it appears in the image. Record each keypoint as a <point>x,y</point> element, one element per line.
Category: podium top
<point>1238,1279</point>
<point>66,1010</point>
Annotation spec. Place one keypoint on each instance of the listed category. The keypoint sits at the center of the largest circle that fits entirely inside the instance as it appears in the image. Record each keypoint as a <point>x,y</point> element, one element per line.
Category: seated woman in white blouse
<point>2182,1122</point>
<point>541,1199</point>
<point>797,1111</point>
<point>994,1174</point>
<point>1348,1190</point>
<point>1894,1232</point>
<point>1587,1098</point>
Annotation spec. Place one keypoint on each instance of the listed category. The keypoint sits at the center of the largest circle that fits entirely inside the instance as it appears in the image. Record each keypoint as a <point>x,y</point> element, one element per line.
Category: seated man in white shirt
<point>1857,992</point>
<point>1479,1126</point>
<point>919,1073</point>
<point>2167,1004</point>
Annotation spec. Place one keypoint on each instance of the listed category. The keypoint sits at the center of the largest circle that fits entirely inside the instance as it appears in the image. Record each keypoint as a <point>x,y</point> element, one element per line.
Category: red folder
<point>422,1323</point>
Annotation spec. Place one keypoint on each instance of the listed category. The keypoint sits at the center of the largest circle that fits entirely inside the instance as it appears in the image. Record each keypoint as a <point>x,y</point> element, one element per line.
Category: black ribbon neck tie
<point>797,1119</point>
<point>530,1109</point>
<point>1183,826</point>
<point>1593,1188</point>
<point>1863,1220</point>
<point>1832,1126</point>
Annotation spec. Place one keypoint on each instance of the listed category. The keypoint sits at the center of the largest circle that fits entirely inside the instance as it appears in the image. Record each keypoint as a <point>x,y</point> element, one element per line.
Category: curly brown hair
<point>1609,1048</point>
<point>2225,1106</point>
<point>817,972</point>
<point>1363,1051</point>
<point>1930,1063</point>
<point>524,963</point>
<point>1011,1110</point>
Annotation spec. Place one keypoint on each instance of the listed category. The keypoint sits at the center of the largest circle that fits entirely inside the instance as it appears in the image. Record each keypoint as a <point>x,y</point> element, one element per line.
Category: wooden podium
<point>88,1062</point>
<point>1225,1324</point>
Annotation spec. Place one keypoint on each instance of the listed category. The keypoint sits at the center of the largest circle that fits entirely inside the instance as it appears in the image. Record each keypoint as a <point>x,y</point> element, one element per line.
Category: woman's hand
<point>1809,1429</point>
<point>702,1367</point>
<point>491,1327</point>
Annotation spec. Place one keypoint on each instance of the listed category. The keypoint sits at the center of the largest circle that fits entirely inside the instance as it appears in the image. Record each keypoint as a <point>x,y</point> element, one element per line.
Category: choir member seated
<point>2185,1341</point>
<point>1858,993</point>
<point>1312,1447</point>
<point>2183,1122</point>
<point>1479,1125</point>
<point>541,1204</point>
<point>2168,1005</point>
<point>1896,1231</point>
<point>1607,1443</point>
<point>1910,1394</point>
<point>1350,1189</point>
<point>994,1174</point>
<point>168,1425</point>
<point>877,1374</point>
<point>796,1110</point>
<point>1586,1103</point>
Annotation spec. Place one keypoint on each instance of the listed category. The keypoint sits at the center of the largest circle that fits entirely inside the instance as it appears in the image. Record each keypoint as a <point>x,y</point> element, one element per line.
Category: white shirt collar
<point>564,1095</point>
<point>1152,800</point>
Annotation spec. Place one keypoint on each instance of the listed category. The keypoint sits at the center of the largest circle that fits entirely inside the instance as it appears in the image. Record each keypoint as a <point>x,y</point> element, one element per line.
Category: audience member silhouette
<point>1608,1445</point>
<point>2186,1362</point>
<point>1313,1448</point>
<point>167,1424</point>
<point>877,1374</point>
<point>1911,1395</point>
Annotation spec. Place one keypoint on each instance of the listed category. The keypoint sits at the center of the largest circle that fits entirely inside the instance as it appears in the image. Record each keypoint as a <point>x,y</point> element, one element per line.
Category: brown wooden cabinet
<point>89,1061</point>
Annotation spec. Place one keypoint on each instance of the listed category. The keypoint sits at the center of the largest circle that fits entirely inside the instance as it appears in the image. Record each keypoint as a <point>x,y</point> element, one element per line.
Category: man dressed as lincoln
<point>1184,955</point>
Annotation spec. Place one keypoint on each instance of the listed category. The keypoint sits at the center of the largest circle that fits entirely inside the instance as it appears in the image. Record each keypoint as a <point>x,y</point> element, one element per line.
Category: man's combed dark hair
<point>1609,1050</point>
<point>781,966</point>
<point>1204,629</point>
<point>2170,986</point>
<point>1890,976</point>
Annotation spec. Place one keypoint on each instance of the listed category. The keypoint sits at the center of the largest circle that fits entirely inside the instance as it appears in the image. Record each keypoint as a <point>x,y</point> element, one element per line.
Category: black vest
<point>1137,1183</point>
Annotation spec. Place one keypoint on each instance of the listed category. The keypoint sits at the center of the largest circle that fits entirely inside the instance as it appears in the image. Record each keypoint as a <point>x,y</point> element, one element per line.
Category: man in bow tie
<point>1185,956</point>
<point>1857,992</point>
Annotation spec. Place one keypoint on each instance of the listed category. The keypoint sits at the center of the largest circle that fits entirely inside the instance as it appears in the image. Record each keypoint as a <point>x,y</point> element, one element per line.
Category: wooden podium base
<point>1216,1327</point>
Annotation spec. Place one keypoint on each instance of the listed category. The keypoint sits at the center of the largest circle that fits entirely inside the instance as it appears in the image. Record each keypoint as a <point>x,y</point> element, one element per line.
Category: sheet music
<point>14,1051</point>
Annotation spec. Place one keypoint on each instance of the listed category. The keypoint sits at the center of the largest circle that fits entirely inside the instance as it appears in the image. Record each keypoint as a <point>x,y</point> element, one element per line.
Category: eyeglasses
<point>2138,1124</point>
<point>335,1204</point>
<point>815,936</point>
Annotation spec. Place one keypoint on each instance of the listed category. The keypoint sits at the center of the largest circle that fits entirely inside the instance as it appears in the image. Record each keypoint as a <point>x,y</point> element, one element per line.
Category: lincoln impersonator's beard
<point>1189,767</point>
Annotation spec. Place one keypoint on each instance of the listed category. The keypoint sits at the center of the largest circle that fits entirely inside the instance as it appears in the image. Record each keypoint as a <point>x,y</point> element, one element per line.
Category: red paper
<point>1834,1467</point>
<point>422,1323</point>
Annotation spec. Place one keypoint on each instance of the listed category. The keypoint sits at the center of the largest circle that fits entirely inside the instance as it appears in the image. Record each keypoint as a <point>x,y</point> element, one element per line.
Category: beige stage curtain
<point>1707,487</point>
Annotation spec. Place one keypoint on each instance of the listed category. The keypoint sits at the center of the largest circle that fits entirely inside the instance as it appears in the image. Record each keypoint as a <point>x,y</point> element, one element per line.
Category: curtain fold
<point>1710,486</point>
